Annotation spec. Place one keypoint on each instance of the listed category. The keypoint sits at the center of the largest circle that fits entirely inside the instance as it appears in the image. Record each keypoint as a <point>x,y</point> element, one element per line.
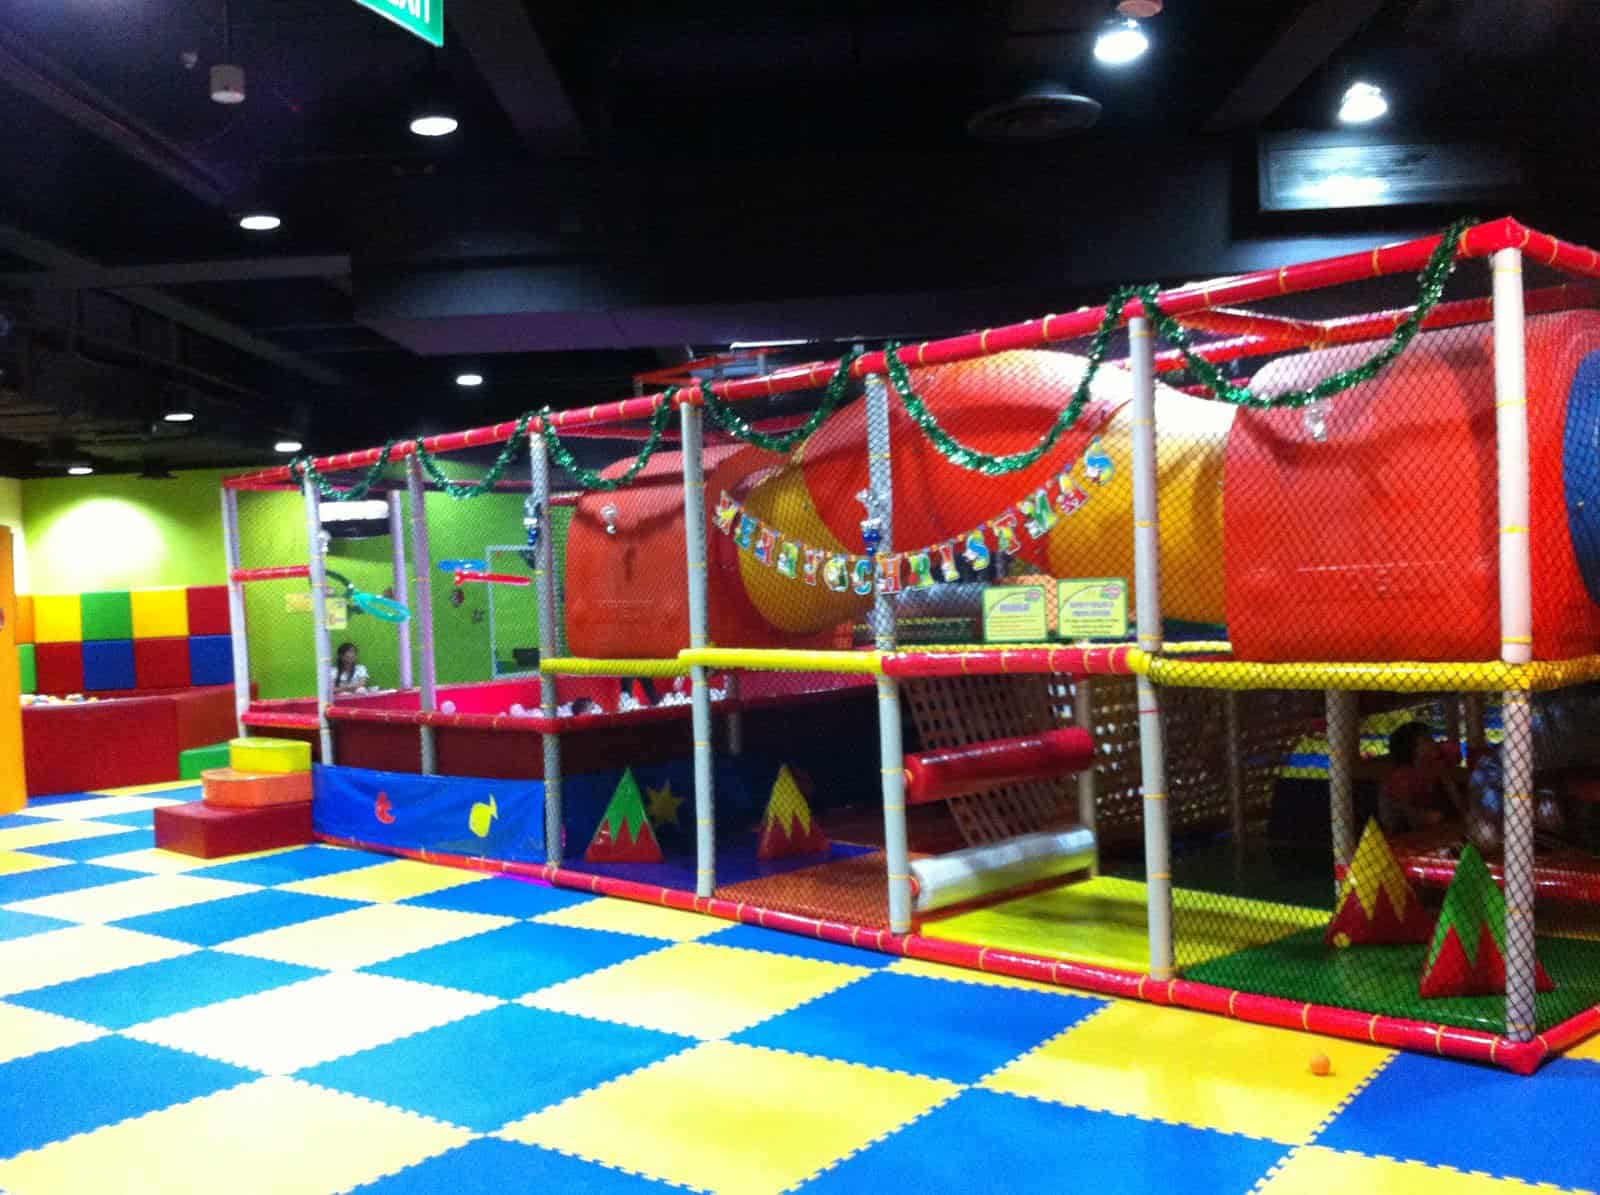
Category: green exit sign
<point>425,18</point>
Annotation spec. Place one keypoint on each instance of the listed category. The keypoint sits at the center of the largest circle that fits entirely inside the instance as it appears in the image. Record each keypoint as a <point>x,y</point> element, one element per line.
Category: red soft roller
<point>959,771</point>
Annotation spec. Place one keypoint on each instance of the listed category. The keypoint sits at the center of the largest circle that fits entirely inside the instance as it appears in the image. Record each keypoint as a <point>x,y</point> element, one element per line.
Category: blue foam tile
<point>23,925</point>
<point>959,1031</point>
<point>48,881</point>
<point>8,820</point>
<point>490,1166</point>
<point>57,798</point>
<point>986,1143</point>
<point>133,995</point>
<point>1432,1110</point>
<point>516,959</point>
<point>216,921</point>
<point>751,937</point>
<point>502,896</point>
<point>210,660</point>
<point>108,664</point>
<point>138,819</point>
<point>101,1082</point>
<point>83,850</point>
<point>504,1064</point>
<point>302,863</point>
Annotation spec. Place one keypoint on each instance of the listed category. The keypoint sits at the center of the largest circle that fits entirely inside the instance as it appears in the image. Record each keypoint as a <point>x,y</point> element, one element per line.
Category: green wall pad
<point>197,759</point>
<point>107,615</point>
<point>30,669</point>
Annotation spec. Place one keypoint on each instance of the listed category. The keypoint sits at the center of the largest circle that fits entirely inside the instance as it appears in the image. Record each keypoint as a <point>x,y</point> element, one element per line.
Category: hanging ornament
<point>530,528</point>
<point>920,565</point>
<point>1072,496</point>
<point>609,513</point>
<point>746,535</point>
<point>889,573</point>
<point>1314,418</point>
<point>872,535</point>
<point>727,513</point>
<point>1005,534</point>
<point>813,565</point>
<point>861,574</point>
<point>766,541</point>
<point>1038,514</point>
<point>788,561</point>
<point>977,553</point>
<point>836,574</point>
<point>1098,466</point>
<point>948,571</point>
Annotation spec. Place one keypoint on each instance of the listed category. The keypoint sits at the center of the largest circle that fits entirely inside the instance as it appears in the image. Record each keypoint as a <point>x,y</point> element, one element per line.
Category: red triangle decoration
<point>1474,911</point>
<point>787,827</point>
<point>1377,905</point>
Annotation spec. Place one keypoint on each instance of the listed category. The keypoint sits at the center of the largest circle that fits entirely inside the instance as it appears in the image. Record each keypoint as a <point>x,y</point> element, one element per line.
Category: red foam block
<point>208,610</point>
<point>161,663</point>
<point>198,829</point>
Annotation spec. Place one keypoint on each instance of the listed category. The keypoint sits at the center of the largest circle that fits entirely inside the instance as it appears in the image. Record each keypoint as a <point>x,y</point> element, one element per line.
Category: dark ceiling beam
<point>184,273</point>
<point>1310,38</point>
<point>53,257</point>
<point>35,75</point>
<point>510,55</point>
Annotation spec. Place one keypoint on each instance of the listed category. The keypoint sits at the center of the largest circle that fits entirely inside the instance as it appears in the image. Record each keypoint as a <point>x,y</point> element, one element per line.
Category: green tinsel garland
<point>589,479</point>
<point>460,490</point>
<point>1430,288</point>
<point>730,421</point>
<point>302,467</point>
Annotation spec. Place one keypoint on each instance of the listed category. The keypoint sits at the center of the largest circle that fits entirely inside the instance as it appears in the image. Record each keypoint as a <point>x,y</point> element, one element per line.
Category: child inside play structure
<point>349,673</point>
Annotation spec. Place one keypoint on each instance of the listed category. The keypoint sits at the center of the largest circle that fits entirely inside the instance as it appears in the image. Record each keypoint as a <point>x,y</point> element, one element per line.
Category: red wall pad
<point>60,667</point>
<point>208,610</point>
<point>207,833</point>
<point>161,663</point>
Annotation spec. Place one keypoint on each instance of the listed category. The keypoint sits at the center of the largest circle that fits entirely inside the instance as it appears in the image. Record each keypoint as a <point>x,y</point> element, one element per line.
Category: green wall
<point>123,532</point>
<point>11,516</point>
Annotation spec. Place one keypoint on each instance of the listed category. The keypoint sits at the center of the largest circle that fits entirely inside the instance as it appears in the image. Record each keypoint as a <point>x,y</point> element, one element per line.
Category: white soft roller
<point>979,871</point>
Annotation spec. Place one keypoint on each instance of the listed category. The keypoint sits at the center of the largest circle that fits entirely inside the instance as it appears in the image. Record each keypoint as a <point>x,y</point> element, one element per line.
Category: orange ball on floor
<point>1320,1065</point>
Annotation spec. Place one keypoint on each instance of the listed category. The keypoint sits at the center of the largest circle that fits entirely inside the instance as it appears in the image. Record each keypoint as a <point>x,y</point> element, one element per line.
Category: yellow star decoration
<point>663,806</point>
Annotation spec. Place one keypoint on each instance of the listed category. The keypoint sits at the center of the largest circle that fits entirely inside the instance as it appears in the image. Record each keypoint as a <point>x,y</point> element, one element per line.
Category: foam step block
<point>107,616</point>
<point>60,667</point>
<point>28,667</point>
<point>211,660</point>
<point>226,788</point>
<point>199,830</point>
<point>160,613</point>
<point>269,755</point>
<point>208,610</point>
<point>194,762</point>
<point>108,665</point>
<point>57,618</point>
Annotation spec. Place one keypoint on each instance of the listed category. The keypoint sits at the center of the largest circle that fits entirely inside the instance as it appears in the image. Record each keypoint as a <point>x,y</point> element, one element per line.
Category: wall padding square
<point>108,664</point>
<point>160,613</point>
<point>161,663</point>
<point>211,660</point>
<point>25,633</point>
<point>208,610</point>
<point>59,666</point>
<point>29,667</point>
<point>107,616</point>
<point>57,618</point>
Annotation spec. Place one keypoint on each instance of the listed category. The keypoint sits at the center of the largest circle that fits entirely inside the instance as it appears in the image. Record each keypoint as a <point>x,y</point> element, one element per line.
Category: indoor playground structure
<point>1068,649</point>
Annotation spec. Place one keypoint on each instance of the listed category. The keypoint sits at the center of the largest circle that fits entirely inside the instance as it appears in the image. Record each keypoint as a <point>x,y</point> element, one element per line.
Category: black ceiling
<point>638,179</point>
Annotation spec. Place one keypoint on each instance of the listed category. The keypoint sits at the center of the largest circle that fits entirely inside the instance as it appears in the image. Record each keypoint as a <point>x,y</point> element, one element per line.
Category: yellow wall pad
<point>42,960</point>
<point>299,1025</point>
<point>696,989</point>
<point>269,755</point>
<point>577,666</point>
<point>1399,677</point>
<point>725,1117</point>
<point>364,936</point>
<point>160,613</point>
<point>1195,1069</point>
<point>1102,922</point>
<point>755,659</point>
<point>340,1142</point>
<point>57,618</point>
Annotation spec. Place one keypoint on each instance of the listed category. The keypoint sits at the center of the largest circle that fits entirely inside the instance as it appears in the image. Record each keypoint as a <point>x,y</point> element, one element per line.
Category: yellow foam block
<point>57,618</point>
<point>269,755</point>
<point>160,613</point>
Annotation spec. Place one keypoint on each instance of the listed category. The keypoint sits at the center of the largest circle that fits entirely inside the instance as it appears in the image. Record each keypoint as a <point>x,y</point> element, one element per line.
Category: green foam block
<point>197,759</point>
<point>107,615</point>
<point>30,669</point>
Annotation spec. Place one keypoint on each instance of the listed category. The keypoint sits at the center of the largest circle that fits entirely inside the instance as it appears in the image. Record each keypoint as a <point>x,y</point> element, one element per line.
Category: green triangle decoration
<point>624,834</point>
<point>626,808</point>
<point>1472,901</point>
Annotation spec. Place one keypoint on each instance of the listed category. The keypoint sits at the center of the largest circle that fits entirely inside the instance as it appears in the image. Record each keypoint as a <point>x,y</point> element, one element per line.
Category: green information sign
<point>1015,614</point>
<point>425,18</point>
<point>1092,608</point>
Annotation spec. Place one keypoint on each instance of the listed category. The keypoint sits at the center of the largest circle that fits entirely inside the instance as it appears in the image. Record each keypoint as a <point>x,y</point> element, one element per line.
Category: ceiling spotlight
<point>1121,43</point>
<point>1143,9</point>
<point>80,470</point>
<point>259,222</point>
<point>227,84</point>
<point>1362,102</point>
<point>469,379</point>
<point>287,446</point>
<point>179,416</point>
<point>434,123</point>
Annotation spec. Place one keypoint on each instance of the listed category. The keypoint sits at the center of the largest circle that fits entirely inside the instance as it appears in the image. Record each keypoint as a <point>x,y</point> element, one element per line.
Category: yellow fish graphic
<point>483,813</point>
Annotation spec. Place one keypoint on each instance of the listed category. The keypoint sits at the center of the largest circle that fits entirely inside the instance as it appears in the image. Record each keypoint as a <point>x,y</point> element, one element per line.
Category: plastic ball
<point>447,707</point>
<point>516,709</point>
<point>1320,1065</point>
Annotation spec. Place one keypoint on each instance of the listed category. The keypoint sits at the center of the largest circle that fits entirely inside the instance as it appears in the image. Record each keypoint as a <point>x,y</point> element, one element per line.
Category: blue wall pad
<point>108,665</point>
<point>210,660</point>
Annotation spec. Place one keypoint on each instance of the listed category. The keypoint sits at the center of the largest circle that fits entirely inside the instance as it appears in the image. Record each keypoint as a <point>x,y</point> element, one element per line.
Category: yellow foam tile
<point>634,917</point>
<point>102,806</point>
<point>363,936</point>
<point>1315,1170</point>
<point>271,756</point>
<point>158,613</point>
<point>25,1031</point>
<point>18,838</point>
<point>175,787</point>
<point>400,879</point>
<point>155,861</point>
<point>315,1020</point>
<point>696,989</point>
<point>1588,1049</point>
<point>39,960</point>
<point>1194,1068</point>
<point>57,618</point>
<point>16,862</point>
<point>926,970</point>
<point>130,898</point>
<point>238,1141</point>
<point>725,1117</point>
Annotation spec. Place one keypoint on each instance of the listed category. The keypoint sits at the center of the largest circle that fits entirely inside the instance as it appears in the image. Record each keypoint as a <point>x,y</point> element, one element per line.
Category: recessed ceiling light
<point>179,416</point>
<point>287,446</point>
<point>1362,102</point>
<point>259,222</point>
<point>1121,43</point>
<point>80,470</point>
<point>469,379</point>
<point>434,124</point>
